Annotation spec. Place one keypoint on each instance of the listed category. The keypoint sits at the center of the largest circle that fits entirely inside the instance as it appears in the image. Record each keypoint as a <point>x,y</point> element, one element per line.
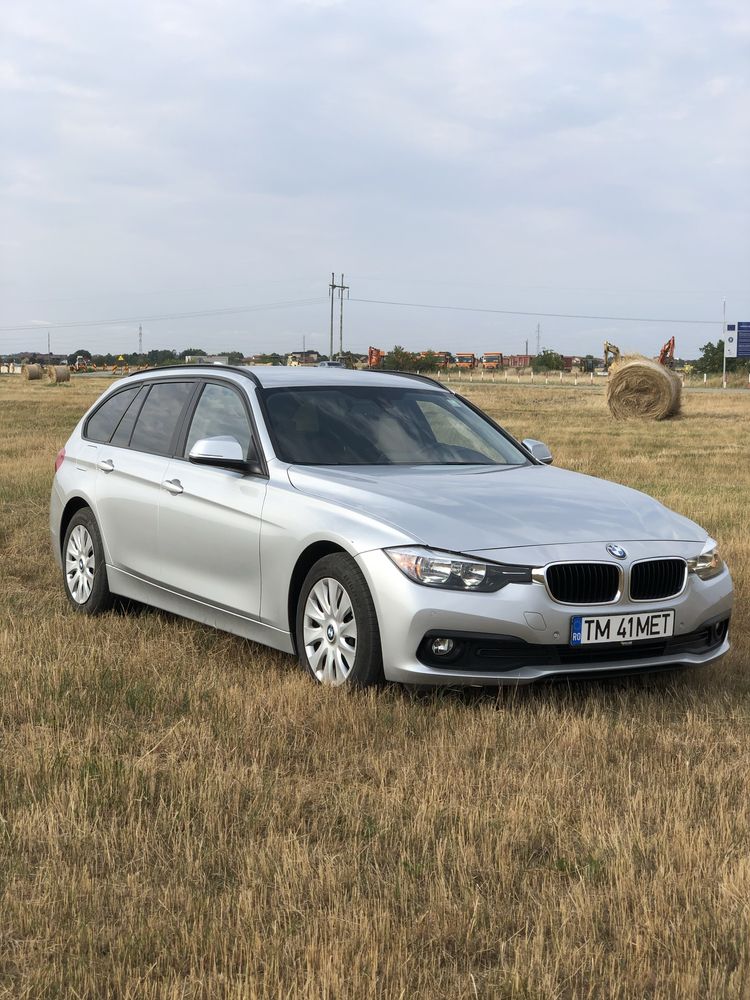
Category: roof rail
<point>422,378</point>
<point>209,364</point>
<point>254,378</point>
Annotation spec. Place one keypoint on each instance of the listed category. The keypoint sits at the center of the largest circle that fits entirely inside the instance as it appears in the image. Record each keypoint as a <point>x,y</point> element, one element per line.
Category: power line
<point>550,315</point>
<point>157,317</point>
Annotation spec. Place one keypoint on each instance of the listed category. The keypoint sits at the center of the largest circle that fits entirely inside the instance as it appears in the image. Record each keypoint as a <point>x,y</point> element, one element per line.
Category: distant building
<point>207,359</point>
<point>263,359</point>
<point>296,358</point>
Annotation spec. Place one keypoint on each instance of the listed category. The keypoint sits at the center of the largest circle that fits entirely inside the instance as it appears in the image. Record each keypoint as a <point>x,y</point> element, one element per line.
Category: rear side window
<point>157,421</point>
<point>101,425</point>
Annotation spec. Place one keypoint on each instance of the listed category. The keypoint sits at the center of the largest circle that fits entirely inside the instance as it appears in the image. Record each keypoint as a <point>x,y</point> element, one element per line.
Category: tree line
<point>397,359</point>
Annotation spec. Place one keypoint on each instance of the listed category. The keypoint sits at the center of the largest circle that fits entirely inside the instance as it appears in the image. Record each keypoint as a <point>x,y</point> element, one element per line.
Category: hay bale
<point>32,372</point>
<point>641,388</point>
<point>58,373</point>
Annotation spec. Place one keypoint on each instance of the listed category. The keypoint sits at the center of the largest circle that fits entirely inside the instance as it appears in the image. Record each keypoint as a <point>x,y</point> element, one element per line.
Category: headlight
<point>709,563</point>
<point>455,572</point>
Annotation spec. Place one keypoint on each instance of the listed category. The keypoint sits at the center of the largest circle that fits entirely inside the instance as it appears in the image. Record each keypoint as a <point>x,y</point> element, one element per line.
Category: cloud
<point>534,155</point>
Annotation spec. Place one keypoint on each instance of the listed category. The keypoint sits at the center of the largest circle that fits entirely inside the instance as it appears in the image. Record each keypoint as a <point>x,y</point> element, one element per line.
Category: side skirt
<point>126,585</point>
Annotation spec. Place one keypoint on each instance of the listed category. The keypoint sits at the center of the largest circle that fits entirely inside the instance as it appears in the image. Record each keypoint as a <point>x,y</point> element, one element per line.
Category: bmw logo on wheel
<point>617,551</point>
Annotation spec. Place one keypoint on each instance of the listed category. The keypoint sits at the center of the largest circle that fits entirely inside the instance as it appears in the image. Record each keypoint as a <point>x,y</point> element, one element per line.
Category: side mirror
<point>538,449</point>
<point>225,452</point>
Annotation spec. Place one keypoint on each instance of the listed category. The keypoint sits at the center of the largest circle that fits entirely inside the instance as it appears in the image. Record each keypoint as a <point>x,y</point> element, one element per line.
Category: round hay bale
<point>32,372</point>
<point>58,373</point>
<point>640,388</point>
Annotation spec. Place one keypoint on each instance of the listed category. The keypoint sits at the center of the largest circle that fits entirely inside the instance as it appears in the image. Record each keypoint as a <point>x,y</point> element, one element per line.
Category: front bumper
<point>524,613</point>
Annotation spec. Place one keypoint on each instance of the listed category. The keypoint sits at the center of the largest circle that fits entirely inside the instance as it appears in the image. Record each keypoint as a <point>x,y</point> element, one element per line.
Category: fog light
<point>442,647</point>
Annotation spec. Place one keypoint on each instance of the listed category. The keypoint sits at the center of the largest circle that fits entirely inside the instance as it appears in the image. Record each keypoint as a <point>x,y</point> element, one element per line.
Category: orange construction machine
<point>441,358</point>
<point>492,361</point>
<point>465,360</point>
<point>375,357</point>
<point>666,355</point>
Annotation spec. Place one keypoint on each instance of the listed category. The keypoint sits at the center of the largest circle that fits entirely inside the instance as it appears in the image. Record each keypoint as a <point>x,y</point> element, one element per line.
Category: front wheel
<point>337,630</point>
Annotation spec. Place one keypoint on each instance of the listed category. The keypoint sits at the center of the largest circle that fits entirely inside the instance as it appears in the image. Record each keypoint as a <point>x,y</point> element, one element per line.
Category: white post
<point>532,374</point>
<point>506,374</point>
<point>575,379</point>
<point>546,379</point>
<point>561,376</point>
<point>705,378</point>
<point>591,379</point>
<point>724,335</point>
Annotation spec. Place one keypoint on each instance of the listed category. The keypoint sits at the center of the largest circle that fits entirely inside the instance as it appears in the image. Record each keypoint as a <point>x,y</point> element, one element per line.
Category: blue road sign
<point>737,340</point>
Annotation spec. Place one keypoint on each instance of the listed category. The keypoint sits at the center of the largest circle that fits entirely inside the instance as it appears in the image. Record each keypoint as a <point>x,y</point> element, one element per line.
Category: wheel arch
<point>304,564</point>
<point>71,507</point>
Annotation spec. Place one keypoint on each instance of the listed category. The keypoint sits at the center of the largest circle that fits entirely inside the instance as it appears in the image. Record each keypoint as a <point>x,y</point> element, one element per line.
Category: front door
<point>209,518</point>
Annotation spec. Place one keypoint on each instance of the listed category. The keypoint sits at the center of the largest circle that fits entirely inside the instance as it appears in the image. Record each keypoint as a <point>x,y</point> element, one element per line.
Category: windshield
<point>381,425</point>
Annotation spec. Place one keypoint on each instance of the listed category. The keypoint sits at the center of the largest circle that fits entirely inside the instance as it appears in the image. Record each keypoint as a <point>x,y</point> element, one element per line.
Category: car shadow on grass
<point>681,685</point>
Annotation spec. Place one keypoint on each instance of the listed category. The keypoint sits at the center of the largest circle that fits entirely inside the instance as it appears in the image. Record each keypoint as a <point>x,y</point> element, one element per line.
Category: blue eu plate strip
<point>576,626</point>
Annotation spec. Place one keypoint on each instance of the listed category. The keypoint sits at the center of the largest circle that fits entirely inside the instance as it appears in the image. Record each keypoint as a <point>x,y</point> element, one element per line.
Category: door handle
<point>106,465</point>
<point>173,485</point>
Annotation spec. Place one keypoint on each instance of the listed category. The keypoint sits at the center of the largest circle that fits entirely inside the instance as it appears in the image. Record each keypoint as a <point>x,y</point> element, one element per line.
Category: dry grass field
<point>184,815</point>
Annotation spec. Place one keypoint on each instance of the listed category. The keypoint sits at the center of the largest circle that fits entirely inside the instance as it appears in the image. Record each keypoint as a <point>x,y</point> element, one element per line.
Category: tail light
<point>60,459</point>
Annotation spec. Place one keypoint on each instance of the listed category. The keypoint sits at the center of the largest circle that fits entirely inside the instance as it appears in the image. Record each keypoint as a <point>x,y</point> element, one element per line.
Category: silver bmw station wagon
<point>377,525</point>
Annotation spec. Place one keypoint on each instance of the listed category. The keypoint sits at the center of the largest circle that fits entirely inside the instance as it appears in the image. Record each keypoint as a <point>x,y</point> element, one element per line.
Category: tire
<point>338,640</point>
<point>84,568</point>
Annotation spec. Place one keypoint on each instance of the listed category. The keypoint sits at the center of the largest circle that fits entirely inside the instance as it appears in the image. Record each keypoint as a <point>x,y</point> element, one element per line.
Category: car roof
<point>278,376</point>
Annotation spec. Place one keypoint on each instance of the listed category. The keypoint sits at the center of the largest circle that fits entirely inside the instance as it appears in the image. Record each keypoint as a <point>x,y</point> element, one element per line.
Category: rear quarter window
<point>102,423</point>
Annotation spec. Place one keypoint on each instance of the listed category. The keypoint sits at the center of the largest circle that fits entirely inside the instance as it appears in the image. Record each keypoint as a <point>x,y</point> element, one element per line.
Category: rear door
<point>131,468</point>
<point>210,518</point>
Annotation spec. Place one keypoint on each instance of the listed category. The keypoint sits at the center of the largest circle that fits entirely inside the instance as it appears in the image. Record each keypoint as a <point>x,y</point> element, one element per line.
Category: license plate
<point>586,629</point>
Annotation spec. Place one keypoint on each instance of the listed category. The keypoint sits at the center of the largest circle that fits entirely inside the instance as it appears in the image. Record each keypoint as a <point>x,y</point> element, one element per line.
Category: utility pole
<point>342,288</point>
<point>538,336</point>
<point>724,335</point>
<point>49,350</point>
<point>332,289</point>
<point>527,347</point>
<point>140,340</point>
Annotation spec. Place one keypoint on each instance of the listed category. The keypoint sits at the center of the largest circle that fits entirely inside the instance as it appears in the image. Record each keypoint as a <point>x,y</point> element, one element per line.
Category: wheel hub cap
<point>80,564</point>
<point>330,632</point>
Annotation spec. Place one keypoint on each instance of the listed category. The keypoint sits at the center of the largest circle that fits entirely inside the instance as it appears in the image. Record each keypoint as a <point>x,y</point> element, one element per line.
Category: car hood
<point>468,509</point>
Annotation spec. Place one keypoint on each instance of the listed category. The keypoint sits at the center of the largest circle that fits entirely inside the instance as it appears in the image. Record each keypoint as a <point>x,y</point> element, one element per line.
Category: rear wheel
<point>84,569</point>
<point>337,630</point>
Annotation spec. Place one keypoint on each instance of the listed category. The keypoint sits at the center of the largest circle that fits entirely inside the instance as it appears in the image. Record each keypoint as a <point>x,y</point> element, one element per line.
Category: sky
<point>581,167</point>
